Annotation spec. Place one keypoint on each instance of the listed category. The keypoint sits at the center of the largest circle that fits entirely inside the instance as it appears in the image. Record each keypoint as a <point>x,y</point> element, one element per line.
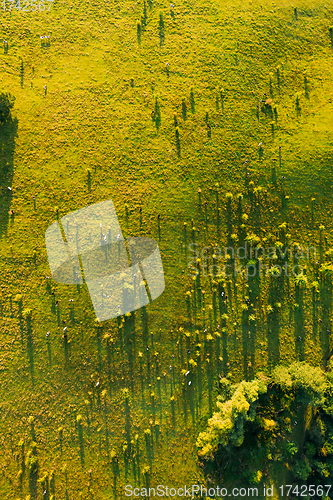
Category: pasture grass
<point>102,87</point>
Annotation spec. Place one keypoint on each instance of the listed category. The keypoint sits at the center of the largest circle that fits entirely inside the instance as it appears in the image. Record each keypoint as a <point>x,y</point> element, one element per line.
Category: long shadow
<point>22,74</point>
<point>144,320</point>
<point>149,446</point>
<point>99,346</point>
<point>210,375</point>
<point>273,339</point>
<point>128,422</point>
<point>254,291</point>
<point>273,325</point>
<point>30,348</point>
<point>299,323</point>
<point>245,338</point>
<point>33,484</point>
<point>8,133</point>
<point>314,313</point>
<point>116,471</point>
<point>81,442</point>
<point>33,475</point>
<point>248,336</point>
<point>326,311</point>
<point>161,32</point>
<point>222,299</point>
<point>106,428</point>
<point>129,344</point>
<point>110,363</point>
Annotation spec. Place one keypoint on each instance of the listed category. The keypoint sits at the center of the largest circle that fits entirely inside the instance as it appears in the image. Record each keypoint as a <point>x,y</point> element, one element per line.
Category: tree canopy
<point>284,420</point>
<point>227,425</point>
<point>309,381</point>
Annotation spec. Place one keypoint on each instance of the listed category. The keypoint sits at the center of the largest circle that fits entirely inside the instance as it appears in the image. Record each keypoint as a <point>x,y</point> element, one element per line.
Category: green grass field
<point>102,86</point>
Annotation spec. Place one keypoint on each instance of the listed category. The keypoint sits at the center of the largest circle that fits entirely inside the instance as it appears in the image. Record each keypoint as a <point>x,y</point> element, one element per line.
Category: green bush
<point>302,469</point>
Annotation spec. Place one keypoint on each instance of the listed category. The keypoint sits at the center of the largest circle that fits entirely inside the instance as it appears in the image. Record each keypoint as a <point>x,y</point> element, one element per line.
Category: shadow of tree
<point>326,294</point>
<point>30,348</point>
<point>161,33</point>
<point>33,473</point>
<point>8,133</point>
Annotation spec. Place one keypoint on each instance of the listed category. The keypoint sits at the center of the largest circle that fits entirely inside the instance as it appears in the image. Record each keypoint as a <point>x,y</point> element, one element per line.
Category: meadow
<point>172,120</point>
